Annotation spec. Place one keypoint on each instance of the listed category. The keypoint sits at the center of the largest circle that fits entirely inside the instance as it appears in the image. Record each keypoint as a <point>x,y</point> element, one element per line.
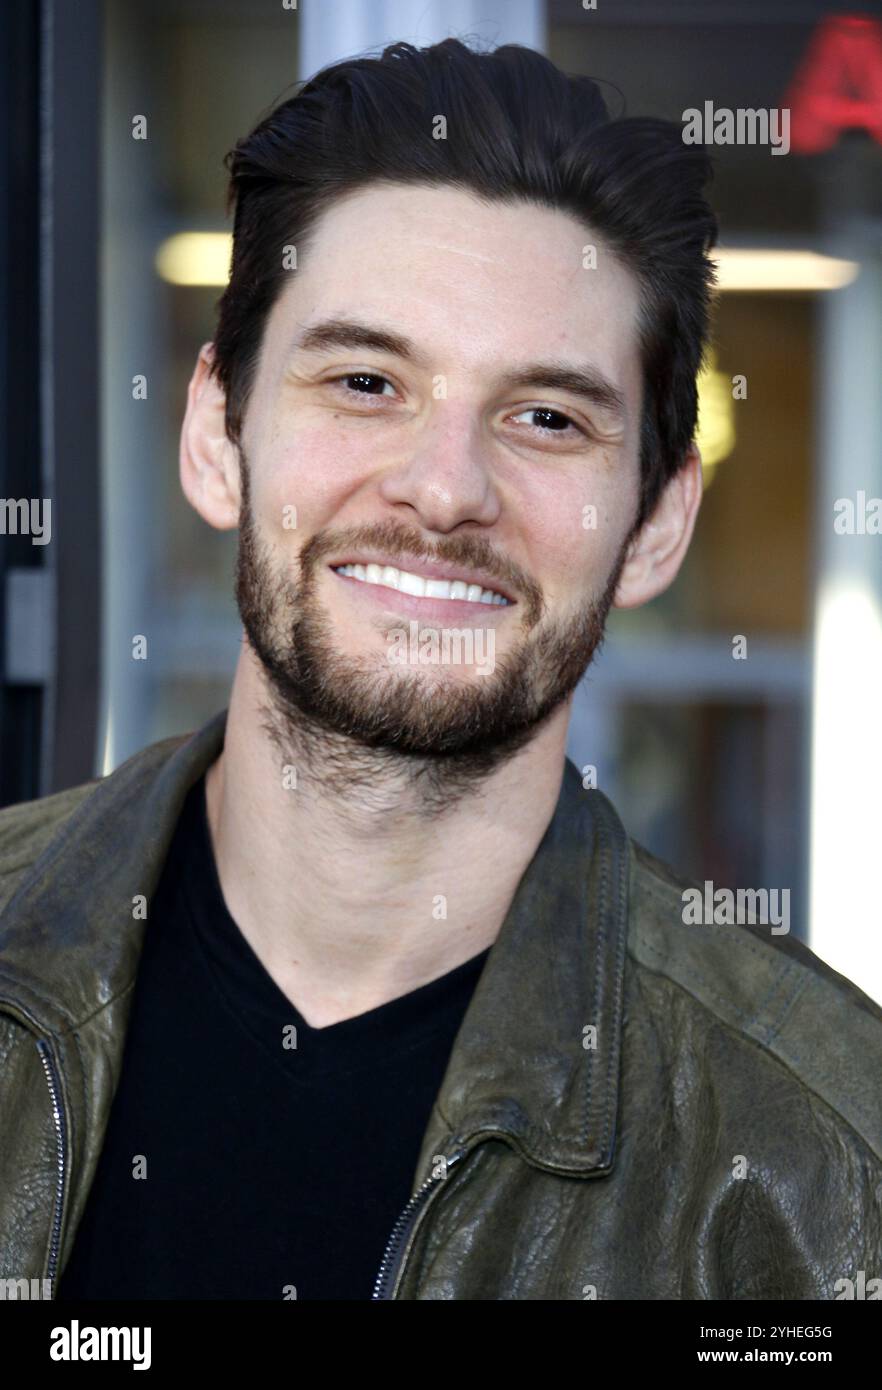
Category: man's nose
<point>446,476</point>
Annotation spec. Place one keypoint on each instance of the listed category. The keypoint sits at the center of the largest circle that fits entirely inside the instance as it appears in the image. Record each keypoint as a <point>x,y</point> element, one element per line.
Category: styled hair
<point>518,129</point>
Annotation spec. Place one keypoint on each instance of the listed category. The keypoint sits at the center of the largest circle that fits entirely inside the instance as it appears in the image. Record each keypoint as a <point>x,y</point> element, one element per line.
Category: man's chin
<point>431,714</point>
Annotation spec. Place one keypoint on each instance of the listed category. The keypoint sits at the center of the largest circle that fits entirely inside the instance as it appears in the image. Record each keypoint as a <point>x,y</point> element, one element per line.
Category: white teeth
<point>411,584</point>
<point>407,583</point>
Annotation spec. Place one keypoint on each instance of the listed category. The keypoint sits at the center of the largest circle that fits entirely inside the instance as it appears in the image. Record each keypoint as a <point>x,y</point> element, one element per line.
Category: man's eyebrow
<point>346,333</point>
<point>587,382</point>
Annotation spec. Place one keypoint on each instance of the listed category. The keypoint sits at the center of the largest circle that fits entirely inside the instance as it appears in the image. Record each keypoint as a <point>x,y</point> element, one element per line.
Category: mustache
<point>394,538</point>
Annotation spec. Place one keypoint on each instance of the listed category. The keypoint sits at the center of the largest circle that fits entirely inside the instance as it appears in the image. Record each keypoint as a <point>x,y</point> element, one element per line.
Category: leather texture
<point>648,1109</point>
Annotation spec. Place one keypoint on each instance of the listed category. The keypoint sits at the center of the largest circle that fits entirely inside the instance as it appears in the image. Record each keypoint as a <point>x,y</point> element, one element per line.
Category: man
<point>357,991</point>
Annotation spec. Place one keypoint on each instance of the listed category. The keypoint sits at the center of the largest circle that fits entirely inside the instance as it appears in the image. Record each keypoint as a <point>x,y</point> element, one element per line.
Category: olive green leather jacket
<point>634,1108</point>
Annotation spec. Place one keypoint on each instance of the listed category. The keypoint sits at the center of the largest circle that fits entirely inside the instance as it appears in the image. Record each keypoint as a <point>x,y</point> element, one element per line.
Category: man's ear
<point>209,463</point>
<point>659,547</point>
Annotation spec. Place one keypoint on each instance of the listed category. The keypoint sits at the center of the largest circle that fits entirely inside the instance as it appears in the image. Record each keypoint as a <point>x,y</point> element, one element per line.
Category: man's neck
<point>352,899</point>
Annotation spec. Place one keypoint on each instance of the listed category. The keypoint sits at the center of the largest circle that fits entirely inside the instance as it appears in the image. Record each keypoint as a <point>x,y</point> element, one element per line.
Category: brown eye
<point>366,383</point>
<point>549,421</point>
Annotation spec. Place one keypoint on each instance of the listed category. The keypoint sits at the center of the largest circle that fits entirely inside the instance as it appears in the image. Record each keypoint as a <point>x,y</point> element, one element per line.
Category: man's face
<point>425,463</point>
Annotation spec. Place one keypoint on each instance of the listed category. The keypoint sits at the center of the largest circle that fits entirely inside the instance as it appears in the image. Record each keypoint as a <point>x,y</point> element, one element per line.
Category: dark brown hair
<point>518,129</point>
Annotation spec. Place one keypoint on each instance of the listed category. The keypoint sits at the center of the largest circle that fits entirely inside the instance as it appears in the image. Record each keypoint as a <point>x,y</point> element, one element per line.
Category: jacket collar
<point>522,1064</point>
<point>538,1053</point>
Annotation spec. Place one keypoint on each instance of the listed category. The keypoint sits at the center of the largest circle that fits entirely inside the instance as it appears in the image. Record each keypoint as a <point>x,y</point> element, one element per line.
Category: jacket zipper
<point>58,1118</point>
<point>390,1267</point>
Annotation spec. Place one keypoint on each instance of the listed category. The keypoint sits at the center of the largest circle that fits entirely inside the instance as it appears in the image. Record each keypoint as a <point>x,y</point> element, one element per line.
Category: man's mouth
<point>422,586</point>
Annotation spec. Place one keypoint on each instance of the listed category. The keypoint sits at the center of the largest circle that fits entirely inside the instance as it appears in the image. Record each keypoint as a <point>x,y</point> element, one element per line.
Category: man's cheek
<point>308,481</point>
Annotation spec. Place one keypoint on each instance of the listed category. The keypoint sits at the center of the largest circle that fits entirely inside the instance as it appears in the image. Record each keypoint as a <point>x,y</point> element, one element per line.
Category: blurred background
<point>734,722</point>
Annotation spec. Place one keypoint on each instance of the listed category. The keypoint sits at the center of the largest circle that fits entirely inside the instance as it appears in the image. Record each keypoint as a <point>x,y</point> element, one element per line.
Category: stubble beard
<point>358,721</point>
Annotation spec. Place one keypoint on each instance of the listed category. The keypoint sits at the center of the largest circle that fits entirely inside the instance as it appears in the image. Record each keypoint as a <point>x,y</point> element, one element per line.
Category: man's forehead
<point>441,220</point>
<point>441,266</point>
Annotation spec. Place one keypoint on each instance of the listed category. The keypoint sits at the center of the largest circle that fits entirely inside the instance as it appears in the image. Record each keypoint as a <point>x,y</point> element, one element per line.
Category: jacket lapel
<point>538,1055</point>
<point>68,937</point>
<point>70,945</point>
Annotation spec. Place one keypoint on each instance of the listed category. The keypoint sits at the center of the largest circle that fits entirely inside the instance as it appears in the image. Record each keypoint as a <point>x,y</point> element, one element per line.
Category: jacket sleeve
<point>810,1227</point>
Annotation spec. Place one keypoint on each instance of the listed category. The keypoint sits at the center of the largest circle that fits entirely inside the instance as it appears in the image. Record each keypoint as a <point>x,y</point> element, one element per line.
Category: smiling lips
<point>419,586</point>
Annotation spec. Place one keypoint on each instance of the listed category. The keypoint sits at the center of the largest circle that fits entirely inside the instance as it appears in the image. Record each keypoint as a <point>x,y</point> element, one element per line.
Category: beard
<point>357,720</point>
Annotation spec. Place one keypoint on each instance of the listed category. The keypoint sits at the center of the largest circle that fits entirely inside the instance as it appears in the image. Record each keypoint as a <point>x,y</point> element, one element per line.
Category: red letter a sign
<point>839,84</point>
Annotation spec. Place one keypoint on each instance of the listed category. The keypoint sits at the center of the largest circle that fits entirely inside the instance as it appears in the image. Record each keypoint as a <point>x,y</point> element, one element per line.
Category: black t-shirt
<point>266,1165</point>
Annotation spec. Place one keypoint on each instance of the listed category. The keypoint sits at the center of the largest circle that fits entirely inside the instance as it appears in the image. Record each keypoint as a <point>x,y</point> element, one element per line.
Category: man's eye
<point>549,421</point>
<point>544,419</point>
<point>366,383</point>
